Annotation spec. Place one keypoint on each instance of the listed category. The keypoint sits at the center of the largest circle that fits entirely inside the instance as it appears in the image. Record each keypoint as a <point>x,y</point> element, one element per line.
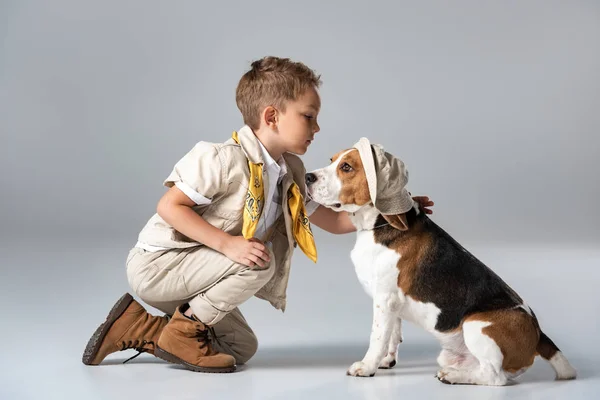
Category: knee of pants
<point>265,275</point>
<point>249,351</point>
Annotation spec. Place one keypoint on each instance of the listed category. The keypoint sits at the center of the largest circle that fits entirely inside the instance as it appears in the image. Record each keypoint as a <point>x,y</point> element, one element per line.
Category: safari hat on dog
<point>386,177</point>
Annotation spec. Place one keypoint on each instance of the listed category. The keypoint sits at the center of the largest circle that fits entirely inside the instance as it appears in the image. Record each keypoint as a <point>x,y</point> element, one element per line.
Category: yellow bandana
<point>254,205</point>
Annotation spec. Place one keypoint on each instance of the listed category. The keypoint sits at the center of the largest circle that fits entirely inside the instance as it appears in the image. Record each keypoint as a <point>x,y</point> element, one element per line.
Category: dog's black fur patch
<point>449,276</point>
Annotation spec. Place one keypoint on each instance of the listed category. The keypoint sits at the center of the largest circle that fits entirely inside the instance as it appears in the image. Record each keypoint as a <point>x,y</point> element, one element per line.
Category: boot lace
<point>203,337</point>
<point>137,345</point>
<point>206,336</point>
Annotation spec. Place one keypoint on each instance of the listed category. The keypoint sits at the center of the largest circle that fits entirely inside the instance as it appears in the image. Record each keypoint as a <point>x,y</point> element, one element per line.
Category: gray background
<point>494,107</point>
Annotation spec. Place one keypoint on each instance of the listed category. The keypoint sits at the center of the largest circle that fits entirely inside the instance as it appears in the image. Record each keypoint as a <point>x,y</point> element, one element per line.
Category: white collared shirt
<point>272,211</point>
<point>272,205</point>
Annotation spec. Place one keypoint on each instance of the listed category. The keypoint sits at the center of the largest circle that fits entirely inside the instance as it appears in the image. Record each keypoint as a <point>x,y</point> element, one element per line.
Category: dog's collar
<point>373,228</point>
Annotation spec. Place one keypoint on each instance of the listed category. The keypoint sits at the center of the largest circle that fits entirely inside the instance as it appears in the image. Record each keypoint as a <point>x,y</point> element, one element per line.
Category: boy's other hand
<point>424,202</point>
<point>251,252</point>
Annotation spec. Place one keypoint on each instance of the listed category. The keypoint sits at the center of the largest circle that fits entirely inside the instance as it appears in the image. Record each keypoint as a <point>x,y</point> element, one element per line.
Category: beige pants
<point>212,284</point>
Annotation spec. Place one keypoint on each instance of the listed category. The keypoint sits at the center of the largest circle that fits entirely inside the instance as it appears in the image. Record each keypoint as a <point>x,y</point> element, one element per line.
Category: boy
<point>225,231</point>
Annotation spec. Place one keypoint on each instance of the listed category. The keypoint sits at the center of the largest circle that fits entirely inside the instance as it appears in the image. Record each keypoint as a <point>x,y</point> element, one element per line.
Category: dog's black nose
<point>310,178</point>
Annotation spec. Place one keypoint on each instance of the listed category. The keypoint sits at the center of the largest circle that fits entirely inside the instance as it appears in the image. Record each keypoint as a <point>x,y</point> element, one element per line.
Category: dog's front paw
<point>388,361</point>
<point>359,368</point>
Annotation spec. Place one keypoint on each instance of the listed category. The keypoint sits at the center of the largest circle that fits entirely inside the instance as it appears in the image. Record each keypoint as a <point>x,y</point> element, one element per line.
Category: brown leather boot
<point>128,326</point>
<point>186,341</point>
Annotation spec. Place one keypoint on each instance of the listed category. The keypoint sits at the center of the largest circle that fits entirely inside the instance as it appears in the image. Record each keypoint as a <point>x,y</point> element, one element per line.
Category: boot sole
<point>91,350</point>
<point>160,353</point>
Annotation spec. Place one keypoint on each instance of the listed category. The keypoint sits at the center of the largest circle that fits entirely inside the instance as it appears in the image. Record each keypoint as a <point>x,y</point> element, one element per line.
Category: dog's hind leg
<point>390,359</point>
<point>503,341</point>
<point>488,370</point>
<point>455,354</point>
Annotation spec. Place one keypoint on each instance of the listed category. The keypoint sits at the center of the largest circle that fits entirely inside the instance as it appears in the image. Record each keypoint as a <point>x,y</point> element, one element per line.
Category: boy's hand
<point>250,252</point>
<point>424,203</point>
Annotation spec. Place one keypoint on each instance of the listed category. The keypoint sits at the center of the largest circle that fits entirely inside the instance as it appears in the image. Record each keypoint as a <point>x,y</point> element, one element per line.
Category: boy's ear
<point>270,116</point>
<point>398,221</point>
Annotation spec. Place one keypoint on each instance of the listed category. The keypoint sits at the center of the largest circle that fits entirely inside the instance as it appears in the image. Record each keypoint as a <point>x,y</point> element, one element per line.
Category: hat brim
<point>366,155</point>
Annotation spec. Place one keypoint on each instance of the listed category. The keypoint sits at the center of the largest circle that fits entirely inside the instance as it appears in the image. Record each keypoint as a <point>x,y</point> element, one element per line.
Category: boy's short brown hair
<point>271,82</point>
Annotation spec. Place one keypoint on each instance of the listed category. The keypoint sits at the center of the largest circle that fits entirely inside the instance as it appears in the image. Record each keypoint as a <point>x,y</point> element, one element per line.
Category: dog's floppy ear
<point>398,221</point>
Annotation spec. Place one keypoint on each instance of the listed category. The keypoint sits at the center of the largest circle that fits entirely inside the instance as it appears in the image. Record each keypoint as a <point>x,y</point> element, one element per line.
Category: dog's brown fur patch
<point>412,246</point>
<point>355,189</point>
<point>337,155</point>
<point>515,332</point>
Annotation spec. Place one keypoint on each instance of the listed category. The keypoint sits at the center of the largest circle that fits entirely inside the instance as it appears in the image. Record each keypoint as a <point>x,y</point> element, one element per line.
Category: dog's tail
<point>548,351</point>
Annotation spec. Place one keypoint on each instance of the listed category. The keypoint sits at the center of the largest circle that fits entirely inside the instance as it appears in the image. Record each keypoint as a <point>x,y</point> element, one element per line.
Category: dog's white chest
<point>375,264</point>
<point>377,270</point>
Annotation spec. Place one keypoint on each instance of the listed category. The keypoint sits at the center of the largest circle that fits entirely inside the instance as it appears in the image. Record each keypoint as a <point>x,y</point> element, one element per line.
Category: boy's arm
<point>332,221</point>
<point>425,203</point>
<point>175,207</point>
<point>339,222</point>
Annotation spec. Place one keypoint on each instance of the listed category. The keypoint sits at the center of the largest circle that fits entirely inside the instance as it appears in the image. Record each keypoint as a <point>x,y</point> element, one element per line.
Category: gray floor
<point>53,300</point>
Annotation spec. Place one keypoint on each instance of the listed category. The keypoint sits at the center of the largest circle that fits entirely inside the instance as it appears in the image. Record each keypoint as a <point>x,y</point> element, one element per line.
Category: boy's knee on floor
<point>250,349</point>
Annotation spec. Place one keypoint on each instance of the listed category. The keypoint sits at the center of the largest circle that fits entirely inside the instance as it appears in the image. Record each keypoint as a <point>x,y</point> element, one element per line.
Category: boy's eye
<point>346,167</point>
<point>308,116</point>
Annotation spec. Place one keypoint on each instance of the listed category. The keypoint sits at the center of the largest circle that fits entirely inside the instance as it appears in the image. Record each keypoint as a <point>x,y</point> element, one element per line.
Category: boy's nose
<point>310,178</point>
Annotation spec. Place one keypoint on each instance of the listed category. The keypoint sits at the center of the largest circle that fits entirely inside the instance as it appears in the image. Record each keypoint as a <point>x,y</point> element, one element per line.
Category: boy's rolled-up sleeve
<point>200,174</point>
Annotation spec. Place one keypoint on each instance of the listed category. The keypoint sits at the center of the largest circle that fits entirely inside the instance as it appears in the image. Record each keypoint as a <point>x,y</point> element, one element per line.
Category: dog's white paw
<point>446,374</point>
<point>359,368</point>
<point>388,361</point>
<point>452,376</point>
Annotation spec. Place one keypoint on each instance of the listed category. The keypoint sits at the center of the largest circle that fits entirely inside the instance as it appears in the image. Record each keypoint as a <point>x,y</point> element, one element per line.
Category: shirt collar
<point>280,165</point>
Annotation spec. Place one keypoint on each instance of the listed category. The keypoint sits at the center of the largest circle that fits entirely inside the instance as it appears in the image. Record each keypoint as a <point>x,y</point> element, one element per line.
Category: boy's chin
<point>299,151</point>
<point>302,149</point>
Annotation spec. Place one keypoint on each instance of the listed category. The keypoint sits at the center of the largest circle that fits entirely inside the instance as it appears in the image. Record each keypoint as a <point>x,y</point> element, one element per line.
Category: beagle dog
<point>415,271</point>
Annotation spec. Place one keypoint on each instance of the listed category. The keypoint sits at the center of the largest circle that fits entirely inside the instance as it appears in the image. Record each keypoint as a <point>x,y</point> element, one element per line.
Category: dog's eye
<point>346,167</point>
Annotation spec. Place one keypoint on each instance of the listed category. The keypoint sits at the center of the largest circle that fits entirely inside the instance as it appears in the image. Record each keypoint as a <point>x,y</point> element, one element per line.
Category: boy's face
<point>298,124</point>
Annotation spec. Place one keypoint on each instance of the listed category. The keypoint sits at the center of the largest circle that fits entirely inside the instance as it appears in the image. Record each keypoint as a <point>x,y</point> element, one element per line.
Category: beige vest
<point>220,172</point>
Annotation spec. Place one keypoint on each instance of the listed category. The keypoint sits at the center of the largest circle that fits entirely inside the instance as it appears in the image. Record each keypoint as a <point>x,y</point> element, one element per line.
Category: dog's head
<point>343,186</point>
